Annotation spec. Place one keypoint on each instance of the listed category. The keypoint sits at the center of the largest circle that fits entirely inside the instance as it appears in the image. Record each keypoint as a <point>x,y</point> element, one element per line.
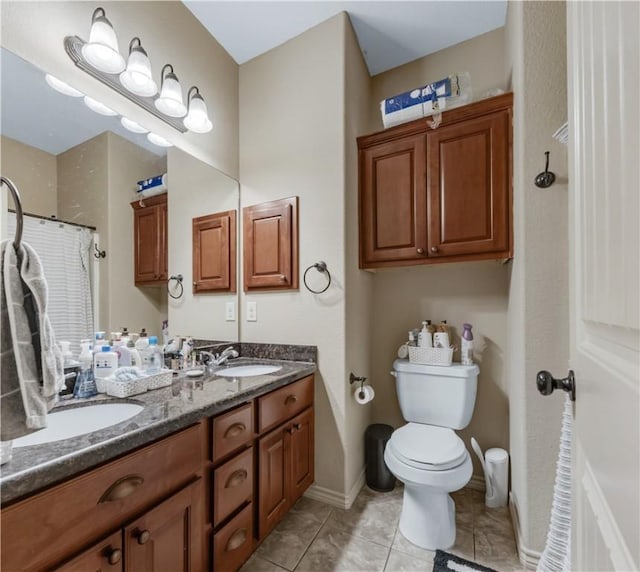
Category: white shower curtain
<point>65,251</point>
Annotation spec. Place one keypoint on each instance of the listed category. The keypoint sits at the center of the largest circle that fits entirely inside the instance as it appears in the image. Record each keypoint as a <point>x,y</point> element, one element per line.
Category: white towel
<point>32,363</point>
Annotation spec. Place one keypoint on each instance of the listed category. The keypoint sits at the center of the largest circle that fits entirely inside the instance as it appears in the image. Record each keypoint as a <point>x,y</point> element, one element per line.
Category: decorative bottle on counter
<point>425,340</point>
<point>466,354</point>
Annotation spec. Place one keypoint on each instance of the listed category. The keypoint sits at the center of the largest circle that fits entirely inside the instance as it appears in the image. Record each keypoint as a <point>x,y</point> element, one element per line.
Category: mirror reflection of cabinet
<point>214,253</point>
<point>150,240</point>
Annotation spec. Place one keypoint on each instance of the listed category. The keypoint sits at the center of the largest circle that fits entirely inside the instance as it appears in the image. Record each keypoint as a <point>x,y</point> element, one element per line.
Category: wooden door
<point>146,239</point>
<point>604,146</point>
<point>301,456</point>
<point>393,208</point>
<point>104,556</point>
<point>270,232</point>
<point>214,252</point>
<point>273,479</point>
<point>168,538</point>
<point>469,187</point>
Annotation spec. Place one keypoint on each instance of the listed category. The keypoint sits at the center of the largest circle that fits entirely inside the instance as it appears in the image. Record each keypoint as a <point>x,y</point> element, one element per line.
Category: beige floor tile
<point>463,546</point>
<point>401,544</point>
<point>371,496</point>
<point>401,562</point>
<point>257,564</point>
<point>334,550</point>
<point>492,547</point>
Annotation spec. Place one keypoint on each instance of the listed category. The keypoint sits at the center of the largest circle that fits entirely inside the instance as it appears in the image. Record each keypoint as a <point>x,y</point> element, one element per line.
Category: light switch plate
<point>230,312</point>
<point>252,311</point>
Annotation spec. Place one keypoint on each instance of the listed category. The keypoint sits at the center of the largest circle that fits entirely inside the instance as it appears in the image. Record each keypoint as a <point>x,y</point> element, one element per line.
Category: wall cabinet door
<point>302,454</point>
<point>150,241</point>
<point>214,253</point>
<point>169,536</point>
<point>273,479</point>
<point>104,556</point>
<point>468,186</point>
<point>393,204</point>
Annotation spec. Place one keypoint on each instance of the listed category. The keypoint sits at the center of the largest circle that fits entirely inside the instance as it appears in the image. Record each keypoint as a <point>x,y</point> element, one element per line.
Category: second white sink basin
<point>248,370</point>
<point>69,423</point>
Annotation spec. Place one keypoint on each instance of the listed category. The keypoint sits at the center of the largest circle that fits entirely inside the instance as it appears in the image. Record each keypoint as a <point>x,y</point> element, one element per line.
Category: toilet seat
<point>427,447</point>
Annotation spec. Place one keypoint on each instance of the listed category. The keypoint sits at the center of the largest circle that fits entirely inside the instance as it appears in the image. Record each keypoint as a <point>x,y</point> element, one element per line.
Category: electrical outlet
<point>230,312</point>
<point>252,311</point>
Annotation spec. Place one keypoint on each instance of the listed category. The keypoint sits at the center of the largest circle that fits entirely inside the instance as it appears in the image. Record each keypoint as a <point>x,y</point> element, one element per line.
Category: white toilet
<point>426,454</point>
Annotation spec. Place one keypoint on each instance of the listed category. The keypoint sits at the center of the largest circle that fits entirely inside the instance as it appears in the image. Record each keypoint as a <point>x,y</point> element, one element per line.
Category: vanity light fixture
<point>170,100</point>
<point>61,86</point>
<point>133,126</point>
<point>101,51</point>
<point>98,107</point>
<point>197,119</point>
<point>137,77</point>
<point>157,140</point>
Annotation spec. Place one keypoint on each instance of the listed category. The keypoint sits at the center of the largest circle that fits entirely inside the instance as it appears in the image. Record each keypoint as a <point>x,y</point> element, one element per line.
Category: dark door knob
<point>547,383</point>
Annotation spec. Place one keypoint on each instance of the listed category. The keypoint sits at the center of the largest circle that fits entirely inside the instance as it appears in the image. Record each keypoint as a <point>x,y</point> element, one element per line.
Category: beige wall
<point>197,190</point>
<point>483,57</point>
<point>129,306</point>
<point>538,316</point>
<point>35,174</point>
<point>170,33</point>
<point>292,143</point>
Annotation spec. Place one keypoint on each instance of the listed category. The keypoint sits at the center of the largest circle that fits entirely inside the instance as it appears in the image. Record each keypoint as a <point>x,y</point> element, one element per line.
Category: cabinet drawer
<point>233,544</point>
<point>284,403</point>
<point>232,430</point>
<point>232,485</point>
<point>87,507</point>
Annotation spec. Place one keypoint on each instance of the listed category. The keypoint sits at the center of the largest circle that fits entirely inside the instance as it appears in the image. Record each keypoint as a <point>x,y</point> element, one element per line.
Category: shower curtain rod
<point>55,219</point>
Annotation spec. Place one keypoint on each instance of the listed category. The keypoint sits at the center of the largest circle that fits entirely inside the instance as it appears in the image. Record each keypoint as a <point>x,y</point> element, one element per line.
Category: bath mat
<point>445,562</point>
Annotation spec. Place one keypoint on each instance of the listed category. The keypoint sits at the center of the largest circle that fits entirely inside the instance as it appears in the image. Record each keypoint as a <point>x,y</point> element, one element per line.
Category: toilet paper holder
<point>361,380</point>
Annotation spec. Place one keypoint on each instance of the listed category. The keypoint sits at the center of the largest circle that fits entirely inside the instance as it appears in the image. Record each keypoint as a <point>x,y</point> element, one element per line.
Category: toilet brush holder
<point>495,464</point>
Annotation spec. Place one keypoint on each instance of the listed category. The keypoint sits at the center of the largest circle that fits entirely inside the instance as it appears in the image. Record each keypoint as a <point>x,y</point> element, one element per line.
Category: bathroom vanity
<point>194,482</point>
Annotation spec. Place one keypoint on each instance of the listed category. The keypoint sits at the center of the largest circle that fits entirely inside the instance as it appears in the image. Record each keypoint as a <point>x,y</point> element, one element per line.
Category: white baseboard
<point>334,498</point>
<point>528,558</point>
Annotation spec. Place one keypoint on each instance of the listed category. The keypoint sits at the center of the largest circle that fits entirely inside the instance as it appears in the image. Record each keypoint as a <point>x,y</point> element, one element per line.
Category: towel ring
<point>178,278</point>
<point>322,268</point>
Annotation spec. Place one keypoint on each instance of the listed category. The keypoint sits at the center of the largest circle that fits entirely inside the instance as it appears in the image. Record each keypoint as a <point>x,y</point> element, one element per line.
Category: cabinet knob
<point>434,249</point>
<point>143,536</point>
<point>297,426</point>
<point>420,250</point>
<point>282,277</point>
<point>113,555</point>
<point>289,430</point>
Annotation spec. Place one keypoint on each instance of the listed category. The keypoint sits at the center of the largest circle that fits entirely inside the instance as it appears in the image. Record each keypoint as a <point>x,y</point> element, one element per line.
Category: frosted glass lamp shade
<point>101,51</point>
<point>157,140</point>
<point>98,107</point>
<point>61,86</point>
<point>170,100</point>
<point>133,126</point>
<point>197,120</point>
<point>137,77</point>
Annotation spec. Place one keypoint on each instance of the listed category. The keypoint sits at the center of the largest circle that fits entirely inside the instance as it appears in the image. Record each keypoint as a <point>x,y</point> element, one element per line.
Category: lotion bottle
<point>424,338</point>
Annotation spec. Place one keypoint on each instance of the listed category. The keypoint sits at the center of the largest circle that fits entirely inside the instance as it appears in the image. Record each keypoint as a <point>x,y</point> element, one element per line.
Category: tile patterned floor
<point>315,537</point>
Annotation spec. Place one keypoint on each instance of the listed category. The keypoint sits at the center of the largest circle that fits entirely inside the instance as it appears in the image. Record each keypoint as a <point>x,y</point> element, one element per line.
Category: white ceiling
<point>390,33</point>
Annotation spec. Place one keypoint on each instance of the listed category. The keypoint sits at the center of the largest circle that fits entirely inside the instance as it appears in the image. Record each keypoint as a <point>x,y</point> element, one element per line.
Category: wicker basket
<point>126,388</point>
<point>431,356</point>
<point>161,379</point>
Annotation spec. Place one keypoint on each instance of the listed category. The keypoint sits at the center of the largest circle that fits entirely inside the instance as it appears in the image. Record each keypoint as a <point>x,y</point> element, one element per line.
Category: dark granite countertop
<point>166,411</point>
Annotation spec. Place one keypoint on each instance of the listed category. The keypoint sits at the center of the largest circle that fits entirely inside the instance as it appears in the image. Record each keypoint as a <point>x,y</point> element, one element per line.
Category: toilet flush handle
<point>393,373</point>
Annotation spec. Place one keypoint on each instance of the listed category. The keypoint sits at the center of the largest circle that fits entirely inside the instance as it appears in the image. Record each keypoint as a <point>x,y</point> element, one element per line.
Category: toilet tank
<point>436,395</point>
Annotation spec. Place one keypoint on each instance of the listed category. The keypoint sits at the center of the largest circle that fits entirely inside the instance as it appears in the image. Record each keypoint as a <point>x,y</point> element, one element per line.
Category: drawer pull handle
<point>113,555</point>
<point>290,399</point>
<point>235,430</point>
<point>122,488</point>
<point>237,539</point>
<point>142,536</point>
<point>236,478</point>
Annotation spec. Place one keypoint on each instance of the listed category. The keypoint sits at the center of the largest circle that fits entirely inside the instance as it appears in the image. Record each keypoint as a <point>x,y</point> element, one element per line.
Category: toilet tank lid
<point>454,370</point>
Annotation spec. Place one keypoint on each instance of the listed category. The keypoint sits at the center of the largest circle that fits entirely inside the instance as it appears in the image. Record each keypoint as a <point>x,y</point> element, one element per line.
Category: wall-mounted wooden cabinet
<point>442,195</point>
<point>270,244</point>
<point>214,253</point>
<point>150,241</point>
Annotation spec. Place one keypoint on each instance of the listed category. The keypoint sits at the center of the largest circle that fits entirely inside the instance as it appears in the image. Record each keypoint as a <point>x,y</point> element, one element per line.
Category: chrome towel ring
<point>322,268</point>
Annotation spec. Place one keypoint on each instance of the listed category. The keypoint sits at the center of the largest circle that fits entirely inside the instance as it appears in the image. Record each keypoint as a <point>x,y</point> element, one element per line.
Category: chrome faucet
<point>214,360</point>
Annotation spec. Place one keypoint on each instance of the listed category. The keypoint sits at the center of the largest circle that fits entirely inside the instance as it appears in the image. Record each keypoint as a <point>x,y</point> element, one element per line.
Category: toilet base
<point>428,518</point>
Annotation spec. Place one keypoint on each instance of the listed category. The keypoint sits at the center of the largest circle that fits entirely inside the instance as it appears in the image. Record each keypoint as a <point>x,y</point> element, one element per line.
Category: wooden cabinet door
<point>146,238</point>
<point>301,455</point>
<point>469,183</point>
<point>270,233</point>
<point>104,556</point>
<point>214,252</point>
<point>168,538</point>
<point>393,205</point>
<point>274,478</point>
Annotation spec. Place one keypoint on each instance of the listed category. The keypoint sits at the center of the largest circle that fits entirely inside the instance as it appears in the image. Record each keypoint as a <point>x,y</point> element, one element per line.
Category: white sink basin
<point>248,370</point>
<point>69,423</point>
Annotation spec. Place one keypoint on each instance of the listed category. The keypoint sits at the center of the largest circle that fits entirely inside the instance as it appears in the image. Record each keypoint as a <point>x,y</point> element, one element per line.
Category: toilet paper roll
<point>369,394</point>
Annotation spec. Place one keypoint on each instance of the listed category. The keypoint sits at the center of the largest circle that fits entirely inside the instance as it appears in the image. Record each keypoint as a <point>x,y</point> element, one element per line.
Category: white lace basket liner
<point>431,356</point>
<point>136,386</point>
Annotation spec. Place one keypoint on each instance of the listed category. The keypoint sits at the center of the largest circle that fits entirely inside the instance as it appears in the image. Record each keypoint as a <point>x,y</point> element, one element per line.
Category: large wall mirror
<point>82,168</point>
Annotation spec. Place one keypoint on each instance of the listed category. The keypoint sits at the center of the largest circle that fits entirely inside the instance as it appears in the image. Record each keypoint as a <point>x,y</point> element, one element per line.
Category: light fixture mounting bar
<point>73,46</point>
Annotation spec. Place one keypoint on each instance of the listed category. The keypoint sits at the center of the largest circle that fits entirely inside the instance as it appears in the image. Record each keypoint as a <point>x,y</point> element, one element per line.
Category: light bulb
<point>61,86</point>
<point>101,51</point>
<point>170,100</point>
<point>137,77</point>
<point>98,107</point>
<point>157,140</point>
<point>133,126</point>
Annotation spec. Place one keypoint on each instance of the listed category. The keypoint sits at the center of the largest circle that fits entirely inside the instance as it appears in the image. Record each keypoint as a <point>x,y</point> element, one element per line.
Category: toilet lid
<point>428,447</point>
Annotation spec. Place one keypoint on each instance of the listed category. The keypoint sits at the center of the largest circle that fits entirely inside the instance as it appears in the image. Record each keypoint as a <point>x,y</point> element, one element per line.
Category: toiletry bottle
<point>156,357</point>
<point>431,328</point>
<point>85,385</point>
<point>412,339</point>
<point>124,355</point>
<point>67,356</point>
<point>105,362</point>
<point>165,332</point>
<point>125,336</point>
<point>142,345</point>
<point>466,353</point>
<point>98,341</point>
<point>136,360</point>
<point>441,337</point>
<point>424,338</point>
